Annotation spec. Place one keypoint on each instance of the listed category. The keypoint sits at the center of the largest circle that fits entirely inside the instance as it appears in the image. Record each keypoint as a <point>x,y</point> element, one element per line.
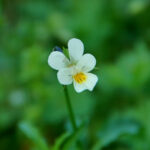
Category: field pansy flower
<point>75,69</point>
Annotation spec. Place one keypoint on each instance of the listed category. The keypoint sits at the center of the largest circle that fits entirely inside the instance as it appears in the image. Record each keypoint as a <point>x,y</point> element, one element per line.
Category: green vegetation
<point>33,113</point>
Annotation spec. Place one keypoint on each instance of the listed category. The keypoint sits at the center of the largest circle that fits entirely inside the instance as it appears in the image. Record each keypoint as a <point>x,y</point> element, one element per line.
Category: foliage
<point>33,112</point>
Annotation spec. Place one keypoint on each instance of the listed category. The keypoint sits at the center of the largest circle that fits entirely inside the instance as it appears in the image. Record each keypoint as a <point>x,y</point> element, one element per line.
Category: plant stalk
<point>70,110</point>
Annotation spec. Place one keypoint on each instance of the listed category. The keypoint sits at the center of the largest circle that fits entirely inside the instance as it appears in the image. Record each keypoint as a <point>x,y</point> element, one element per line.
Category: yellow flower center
<point>80,77</point>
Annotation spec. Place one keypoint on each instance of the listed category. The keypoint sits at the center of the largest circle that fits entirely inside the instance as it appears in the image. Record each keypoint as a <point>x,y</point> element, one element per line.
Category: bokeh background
<point>33,113</point>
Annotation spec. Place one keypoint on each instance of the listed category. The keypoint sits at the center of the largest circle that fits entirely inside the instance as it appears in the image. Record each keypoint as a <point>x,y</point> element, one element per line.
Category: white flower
<point>76,69</point>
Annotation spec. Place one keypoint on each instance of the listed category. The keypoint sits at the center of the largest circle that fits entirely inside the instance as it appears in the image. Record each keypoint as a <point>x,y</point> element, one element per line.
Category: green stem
<point>71,114</point>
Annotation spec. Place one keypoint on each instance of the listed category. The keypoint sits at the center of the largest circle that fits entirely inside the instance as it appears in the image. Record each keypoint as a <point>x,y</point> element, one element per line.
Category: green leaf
<point>59,142</point>
<point>33,134</point>
<point>66,52</point>
<point>115,130</point>
<point>73,143</point>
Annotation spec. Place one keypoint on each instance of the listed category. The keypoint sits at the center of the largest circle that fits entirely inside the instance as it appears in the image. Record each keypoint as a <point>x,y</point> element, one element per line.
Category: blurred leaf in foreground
<point>59,141</point>
<point>33,134</point>
<point>69,141</point>
<point>114,130</point>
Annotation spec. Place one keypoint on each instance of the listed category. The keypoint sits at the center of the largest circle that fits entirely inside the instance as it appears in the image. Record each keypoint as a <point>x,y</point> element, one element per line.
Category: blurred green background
<point>33,113</point>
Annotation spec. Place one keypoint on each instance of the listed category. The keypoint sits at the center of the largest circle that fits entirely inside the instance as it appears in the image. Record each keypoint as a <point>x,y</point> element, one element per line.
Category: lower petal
<point>79,87</point>
<point>92,79</point>
<point>89,84</point>
<point>65,76</point>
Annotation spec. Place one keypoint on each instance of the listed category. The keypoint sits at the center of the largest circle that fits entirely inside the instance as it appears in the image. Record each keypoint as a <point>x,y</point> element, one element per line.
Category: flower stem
<point>70,110</point>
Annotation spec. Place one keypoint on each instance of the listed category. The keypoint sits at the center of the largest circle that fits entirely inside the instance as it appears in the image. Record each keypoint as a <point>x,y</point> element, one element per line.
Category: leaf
<point>66,52</point>
<point>115,129</point>
<point>33,134</point>
<point>59,142</point>
<point>73,142</point>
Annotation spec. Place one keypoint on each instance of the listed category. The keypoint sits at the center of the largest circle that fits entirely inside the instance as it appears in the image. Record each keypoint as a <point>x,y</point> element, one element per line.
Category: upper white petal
<point>76,49</point>
<point>65,76</point>
<point>57,60</point>
<point>86,63</point>
<point>89,84</point>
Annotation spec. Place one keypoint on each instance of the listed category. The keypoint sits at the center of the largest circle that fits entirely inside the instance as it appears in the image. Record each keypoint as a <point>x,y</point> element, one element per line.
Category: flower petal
<point>86,63</point>
<point>57,60</point>
<point>65,76</point>
<point>79,87</point>
<point>92,79</point>
<point>89,84</point>
<point>76,49</point>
